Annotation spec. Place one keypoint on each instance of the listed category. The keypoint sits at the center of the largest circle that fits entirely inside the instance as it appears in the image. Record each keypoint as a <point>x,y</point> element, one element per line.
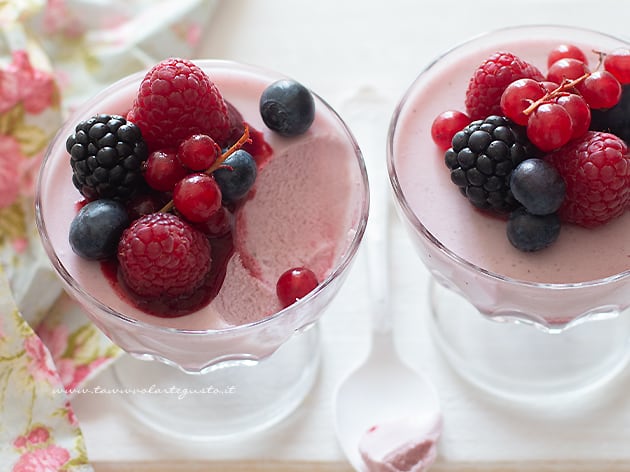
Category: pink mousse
<point>579,254</point>
<point>402,445</point>
<point>585,272</point>
<point>301,212</point>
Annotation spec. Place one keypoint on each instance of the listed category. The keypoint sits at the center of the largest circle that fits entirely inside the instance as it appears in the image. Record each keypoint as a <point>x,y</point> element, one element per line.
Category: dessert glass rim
<point>207,64</point>
<point>400,195</point>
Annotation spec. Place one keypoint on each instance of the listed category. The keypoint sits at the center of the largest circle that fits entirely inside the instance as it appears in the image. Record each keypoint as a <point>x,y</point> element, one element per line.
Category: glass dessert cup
<point>527,329</point>
<point>207,383</point>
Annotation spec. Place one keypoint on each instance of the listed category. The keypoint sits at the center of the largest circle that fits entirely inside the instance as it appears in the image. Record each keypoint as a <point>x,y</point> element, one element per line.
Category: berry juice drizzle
<point>169,307</point>
<point>221,252</point>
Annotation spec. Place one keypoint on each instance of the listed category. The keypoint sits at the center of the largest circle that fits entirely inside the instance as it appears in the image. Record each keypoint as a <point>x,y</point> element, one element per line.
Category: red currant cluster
<point>188,173</point>
<point>558,108</point>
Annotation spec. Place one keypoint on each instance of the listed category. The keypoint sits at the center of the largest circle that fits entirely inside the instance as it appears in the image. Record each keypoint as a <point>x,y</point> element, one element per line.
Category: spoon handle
<point>368,116</point>
<point>377,248</point>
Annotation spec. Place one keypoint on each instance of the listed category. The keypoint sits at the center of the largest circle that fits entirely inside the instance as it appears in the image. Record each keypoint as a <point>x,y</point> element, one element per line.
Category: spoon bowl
<point>383,389</point>
<point>379,390</point>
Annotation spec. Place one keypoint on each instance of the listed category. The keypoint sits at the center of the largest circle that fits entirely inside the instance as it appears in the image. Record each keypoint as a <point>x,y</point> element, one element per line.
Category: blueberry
<point>538,186</point>
<point>96,229</point>
<point>236,176</point>
<point>287,107</point>
<point>529,232</point>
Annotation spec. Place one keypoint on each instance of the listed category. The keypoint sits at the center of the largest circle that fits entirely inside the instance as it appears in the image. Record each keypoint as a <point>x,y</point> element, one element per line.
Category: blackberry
<point>615,120</point>
<point>106,154</point>
<point>481,159</point>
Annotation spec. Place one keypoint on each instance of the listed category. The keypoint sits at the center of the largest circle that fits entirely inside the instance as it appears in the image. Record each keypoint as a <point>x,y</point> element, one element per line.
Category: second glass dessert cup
<point>203,383</point>
<point>525,326</point>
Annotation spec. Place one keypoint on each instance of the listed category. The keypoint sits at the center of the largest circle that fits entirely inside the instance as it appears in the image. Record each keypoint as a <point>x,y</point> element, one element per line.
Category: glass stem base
<point>233,398</point>
<point>521,361</point>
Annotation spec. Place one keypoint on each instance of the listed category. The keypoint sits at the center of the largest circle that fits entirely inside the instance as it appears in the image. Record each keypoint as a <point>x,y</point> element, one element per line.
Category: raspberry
<point>176,100</point>
<point>483,96</point>
<point>596,170</point>
<point>160,255</point>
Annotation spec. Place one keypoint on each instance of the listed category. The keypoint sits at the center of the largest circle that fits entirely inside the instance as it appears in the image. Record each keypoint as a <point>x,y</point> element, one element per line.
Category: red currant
<point>518,96</point>
<point>617,63</point>
<point>549,86</point>
<point>566,51</point>
<point>549,126</point>
<point>198,152</point>
<point>144,204</point>
<point>162,170</point>
<point>579,111</point>
<point>568,68</point>
<point>219,224</point>
<point>445,125</point>
<point>294,284</point>
<point>600,90</point>
<point>197,197</point>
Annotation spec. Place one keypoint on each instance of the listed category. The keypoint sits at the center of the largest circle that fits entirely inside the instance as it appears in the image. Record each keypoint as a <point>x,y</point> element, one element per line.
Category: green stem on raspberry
<point>244,139</point>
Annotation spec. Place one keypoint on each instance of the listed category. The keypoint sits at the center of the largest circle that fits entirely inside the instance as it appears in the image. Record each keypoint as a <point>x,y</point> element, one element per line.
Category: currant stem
<point>244,139</point>
<point>601,56</point>
<point>562,88</point>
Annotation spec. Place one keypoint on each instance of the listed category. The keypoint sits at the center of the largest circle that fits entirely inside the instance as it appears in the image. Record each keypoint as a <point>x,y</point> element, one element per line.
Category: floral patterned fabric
<point>39,431</point>
<point>53,55</point>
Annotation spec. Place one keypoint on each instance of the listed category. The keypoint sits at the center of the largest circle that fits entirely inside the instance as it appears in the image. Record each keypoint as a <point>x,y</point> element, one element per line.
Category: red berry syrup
<point>222,251</point>
<point>169,307</point>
